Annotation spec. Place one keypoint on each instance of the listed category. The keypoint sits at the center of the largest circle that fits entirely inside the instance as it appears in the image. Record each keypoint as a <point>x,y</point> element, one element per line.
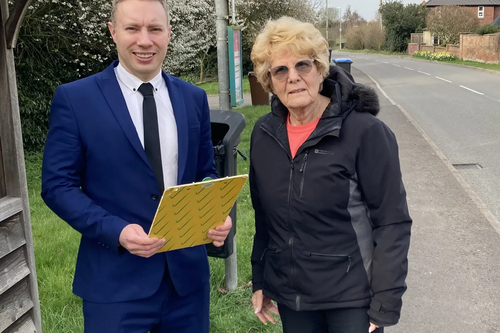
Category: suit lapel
<point>179,106</point>
<point>113,95</point>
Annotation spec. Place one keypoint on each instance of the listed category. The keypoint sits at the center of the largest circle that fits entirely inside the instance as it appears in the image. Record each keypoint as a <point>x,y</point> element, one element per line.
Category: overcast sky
<point>366,8</point>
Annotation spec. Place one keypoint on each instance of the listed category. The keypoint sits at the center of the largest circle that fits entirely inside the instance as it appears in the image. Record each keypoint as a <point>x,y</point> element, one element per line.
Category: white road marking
<point>408,68</point>
<point>396,65</point>
<point>440,78</point>
<point>477,92</point>
<point>385,62</point>
<point>423,73</point>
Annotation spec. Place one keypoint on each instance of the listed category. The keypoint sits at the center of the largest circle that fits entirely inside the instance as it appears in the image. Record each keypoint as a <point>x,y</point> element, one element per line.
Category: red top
<point>297,135</point>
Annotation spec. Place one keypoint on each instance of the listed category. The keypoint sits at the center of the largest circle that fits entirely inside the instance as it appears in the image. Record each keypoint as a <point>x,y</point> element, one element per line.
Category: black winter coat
<point>332,224</point>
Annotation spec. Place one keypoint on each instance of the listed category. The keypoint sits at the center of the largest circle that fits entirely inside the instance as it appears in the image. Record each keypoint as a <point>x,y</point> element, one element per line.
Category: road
<point>454,271</point>
<point>458,108</point>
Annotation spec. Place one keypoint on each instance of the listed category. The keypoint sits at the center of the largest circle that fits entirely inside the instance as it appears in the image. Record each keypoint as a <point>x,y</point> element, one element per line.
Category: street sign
<point>235,65</point>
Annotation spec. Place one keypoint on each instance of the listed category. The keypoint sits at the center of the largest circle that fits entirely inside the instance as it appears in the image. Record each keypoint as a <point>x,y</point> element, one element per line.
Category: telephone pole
<point>326,14</point>
<point>222,14</point>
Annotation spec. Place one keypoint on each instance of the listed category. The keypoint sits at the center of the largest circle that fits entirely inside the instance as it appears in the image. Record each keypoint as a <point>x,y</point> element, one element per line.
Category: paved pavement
<point>213,101</point>
<point>454,271</point>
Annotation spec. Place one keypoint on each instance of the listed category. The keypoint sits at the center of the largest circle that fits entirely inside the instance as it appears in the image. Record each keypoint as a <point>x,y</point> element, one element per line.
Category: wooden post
<point>19,301</point>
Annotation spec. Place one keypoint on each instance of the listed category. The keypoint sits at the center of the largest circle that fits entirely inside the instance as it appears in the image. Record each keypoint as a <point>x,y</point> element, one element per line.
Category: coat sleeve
<point>62,174</point>
<point>261,237</point>
<point>381,183</point>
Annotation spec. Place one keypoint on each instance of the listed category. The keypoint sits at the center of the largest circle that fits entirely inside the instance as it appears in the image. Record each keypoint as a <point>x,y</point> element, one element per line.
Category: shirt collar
<point>133,83</point>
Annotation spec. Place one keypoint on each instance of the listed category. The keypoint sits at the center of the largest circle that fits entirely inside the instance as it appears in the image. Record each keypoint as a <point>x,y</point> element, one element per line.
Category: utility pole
<point>326,14</point>
<point>380,15</point>
<point>340,26</point>
<point>222,14</point>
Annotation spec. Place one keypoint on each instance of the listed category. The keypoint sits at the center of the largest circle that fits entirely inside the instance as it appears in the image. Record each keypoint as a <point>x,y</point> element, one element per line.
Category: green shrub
<point>58,42</point>
<point>488,29</point>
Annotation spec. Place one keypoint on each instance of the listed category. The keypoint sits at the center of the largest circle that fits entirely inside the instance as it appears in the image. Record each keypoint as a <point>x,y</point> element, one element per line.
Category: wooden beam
<point>23,325</point>
<point>11,236</point>
<point>3,191</point>
<point>13,153</point>
<point>13,269</point>
<point>9,207</point>
<point>14,304</point>
<point>14,22</point>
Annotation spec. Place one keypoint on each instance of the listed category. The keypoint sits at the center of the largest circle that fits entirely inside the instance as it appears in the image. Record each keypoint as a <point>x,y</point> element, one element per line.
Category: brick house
<point>486,11</point>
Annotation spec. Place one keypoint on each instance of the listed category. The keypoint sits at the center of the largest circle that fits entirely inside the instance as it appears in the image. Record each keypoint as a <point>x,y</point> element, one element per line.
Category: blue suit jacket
<point>97,178</point>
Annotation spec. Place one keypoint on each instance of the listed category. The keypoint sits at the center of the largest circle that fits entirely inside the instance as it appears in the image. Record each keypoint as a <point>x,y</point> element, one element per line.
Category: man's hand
<point>263,307</point>
<point>220,233</point>
<point>137,242</point>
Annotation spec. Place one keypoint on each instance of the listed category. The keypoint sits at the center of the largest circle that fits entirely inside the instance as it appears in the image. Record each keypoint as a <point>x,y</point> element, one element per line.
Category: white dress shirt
<point>167,126</point>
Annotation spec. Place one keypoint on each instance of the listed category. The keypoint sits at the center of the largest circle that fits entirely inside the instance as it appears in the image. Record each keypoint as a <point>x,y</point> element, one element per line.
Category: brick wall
<point>480,48</point>
<point>413,47</point>
<point>490,13</point>
<point>453,49</point>
<point>497,11</point>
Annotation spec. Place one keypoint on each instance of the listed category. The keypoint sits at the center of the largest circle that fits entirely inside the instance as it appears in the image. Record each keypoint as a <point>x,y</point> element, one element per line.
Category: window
<point>480,12</point>
<point>435,40</point>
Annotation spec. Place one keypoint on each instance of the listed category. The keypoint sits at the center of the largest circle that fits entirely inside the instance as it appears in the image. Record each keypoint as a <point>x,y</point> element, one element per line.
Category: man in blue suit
<point>116,140</point>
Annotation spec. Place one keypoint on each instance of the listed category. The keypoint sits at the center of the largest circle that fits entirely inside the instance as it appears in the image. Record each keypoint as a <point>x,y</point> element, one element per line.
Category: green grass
<point>56,246</point>
<point>212,87</point>
<point>476,64</point>
<point>375,52</point>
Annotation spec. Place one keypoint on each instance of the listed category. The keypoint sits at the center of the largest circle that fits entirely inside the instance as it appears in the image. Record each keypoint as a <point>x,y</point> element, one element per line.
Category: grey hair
<point>162,2</point>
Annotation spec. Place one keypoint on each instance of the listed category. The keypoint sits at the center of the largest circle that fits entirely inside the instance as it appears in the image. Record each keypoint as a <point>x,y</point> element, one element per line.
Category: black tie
<point>151,133</point>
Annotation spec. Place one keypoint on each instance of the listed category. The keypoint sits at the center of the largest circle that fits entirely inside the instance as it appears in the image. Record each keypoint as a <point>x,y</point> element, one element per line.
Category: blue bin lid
<point>343,60</point>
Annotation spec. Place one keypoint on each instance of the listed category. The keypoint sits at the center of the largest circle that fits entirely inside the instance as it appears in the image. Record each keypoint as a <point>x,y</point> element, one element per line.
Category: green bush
<point>58,42</point>
<point>488,29</point>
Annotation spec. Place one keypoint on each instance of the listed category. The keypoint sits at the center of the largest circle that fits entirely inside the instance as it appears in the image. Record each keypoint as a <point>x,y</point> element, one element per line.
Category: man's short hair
<point>116,2</point>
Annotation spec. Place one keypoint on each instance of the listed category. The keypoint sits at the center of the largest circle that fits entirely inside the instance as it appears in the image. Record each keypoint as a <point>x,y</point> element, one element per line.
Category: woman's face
<point>295,80</point>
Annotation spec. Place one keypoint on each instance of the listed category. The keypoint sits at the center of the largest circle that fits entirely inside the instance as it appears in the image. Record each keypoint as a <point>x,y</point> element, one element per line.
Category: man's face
<point>141,35</point>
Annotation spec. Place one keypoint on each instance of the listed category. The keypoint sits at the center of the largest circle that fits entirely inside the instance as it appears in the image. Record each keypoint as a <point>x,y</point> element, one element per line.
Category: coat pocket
<point>335,257</point>
<point>325,278</point>
<point>275,268</point>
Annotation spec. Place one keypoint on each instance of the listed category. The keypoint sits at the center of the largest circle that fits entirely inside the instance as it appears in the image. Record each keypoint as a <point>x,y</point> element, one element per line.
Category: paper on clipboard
<point>187,212</point>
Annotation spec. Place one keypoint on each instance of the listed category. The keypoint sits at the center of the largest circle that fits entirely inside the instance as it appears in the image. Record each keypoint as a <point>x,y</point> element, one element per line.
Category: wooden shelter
<point>19,302</point>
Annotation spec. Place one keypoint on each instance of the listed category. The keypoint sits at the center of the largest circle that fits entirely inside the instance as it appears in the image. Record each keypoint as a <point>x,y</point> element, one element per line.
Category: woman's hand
<point>263,307</point>
<point>372,328</point>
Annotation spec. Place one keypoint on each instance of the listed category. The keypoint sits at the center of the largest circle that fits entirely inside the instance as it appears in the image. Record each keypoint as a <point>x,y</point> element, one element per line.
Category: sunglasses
<point>302,67</point>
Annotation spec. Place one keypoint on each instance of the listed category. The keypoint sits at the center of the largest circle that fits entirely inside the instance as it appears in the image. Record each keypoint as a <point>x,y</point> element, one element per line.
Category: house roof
<point>434,3</point>
<point>496,21</point>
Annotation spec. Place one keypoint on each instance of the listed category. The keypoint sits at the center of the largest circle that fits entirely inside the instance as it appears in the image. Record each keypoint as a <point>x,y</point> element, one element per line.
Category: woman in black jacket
<point>331,218</point>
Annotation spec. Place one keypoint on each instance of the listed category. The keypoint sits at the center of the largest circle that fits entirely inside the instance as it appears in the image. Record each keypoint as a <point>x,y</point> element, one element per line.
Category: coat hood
<point>344,92</point>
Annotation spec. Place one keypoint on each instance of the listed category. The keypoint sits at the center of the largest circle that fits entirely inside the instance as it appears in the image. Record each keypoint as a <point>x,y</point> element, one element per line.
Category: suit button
<point>154,197</point>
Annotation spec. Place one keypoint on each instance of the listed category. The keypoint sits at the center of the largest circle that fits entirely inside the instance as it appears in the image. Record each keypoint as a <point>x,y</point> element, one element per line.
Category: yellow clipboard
<point>187,212</point>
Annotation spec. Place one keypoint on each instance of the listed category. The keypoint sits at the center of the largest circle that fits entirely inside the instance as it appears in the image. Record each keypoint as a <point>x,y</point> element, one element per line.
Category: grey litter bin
<point>226,135</point>
<point>344,63</point>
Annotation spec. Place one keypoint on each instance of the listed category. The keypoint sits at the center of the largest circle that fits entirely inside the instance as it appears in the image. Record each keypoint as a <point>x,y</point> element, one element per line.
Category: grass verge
<point>212,87</point>
<point>476,64</point>
<point>56,246</point>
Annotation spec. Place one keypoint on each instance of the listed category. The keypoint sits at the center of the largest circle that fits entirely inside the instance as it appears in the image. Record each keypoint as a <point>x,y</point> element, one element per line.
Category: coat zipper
<point>291,239</point>
<point>303,172</point>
